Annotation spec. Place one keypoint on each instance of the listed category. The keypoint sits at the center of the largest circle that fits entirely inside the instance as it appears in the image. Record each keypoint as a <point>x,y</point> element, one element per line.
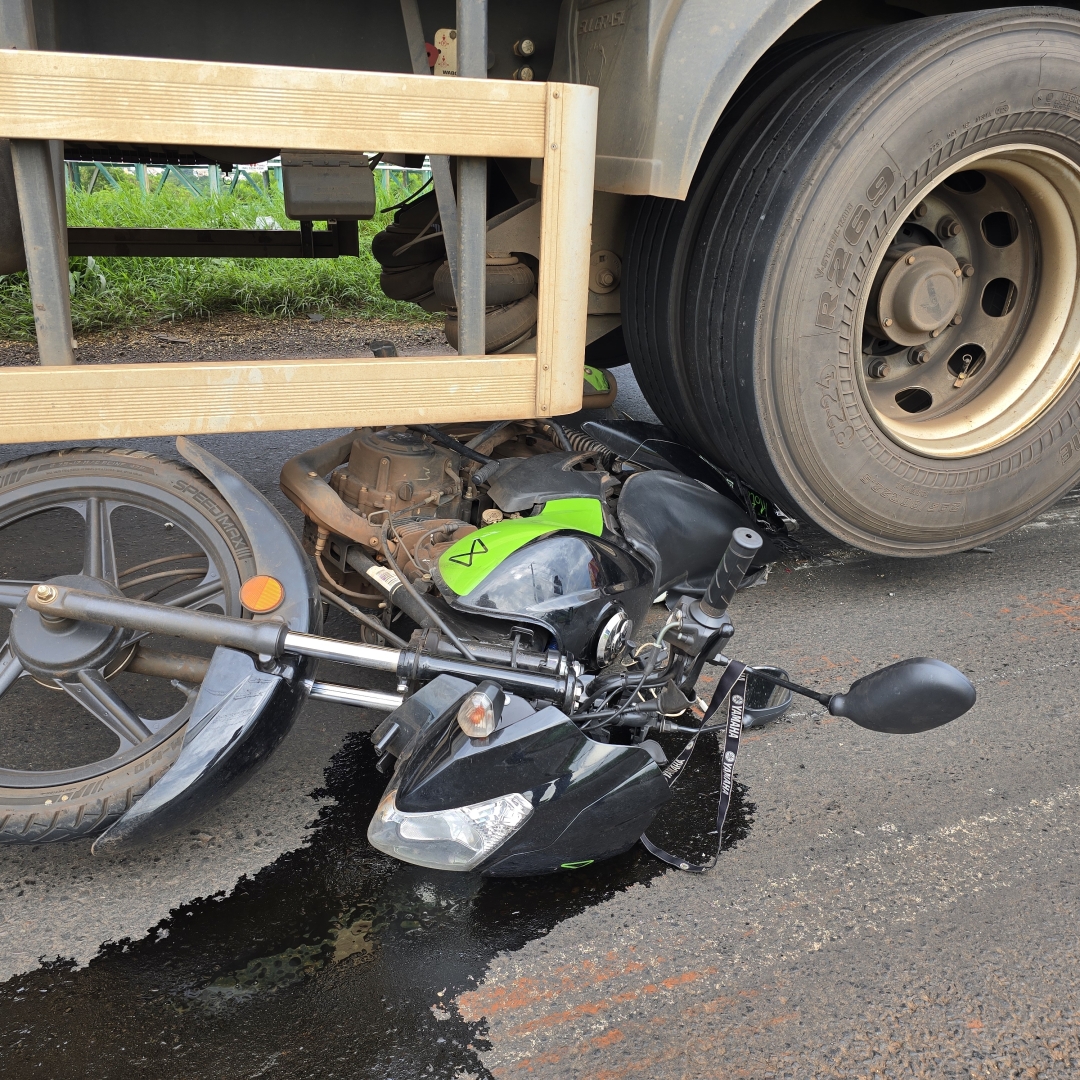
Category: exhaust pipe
<point>302,482</point>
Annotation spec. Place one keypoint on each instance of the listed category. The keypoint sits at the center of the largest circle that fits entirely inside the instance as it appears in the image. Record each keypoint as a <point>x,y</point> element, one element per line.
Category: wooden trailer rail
<point>50,95</point>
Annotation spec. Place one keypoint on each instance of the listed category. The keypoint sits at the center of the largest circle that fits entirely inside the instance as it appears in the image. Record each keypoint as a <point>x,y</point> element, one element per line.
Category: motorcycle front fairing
<point>534,797</point>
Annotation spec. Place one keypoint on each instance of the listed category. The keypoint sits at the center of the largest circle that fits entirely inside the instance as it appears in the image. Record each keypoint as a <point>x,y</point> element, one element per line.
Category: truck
<point>836,241</point>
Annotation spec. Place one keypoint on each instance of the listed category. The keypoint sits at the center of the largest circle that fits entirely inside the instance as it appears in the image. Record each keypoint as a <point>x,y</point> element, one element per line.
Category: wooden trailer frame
<point>51,95</point>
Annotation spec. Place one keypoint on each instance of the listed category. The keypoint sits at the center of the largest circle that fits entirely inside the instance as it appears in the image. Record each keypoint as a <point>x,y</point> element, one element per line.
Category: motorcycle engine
<point>406,485</point>
<point>399,472</point>
<point>395,475</point>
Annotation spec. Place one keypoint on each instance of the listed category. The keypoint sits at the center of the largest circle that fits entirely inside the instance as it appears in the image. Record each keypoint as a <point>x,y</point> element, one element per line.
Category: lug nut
<point>967,269</point>
<point>949,227</point>
<point>524,47</point>
<point>918,354</point>
<point>922,210</point>
<point>911,260</point>
<point>45,594</point>
<point>878,368</point>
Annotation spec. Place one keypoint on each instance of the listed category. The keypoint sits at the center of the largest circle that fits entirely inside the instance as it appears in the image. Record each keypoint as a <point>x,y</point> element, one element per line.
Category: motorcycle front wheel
<point>91,717</point>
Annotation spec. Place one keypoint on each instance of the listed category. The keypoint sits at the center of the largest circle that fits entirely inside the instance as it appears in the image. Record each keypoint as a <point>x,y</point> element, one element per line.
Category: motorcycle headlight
<point>455,839</point>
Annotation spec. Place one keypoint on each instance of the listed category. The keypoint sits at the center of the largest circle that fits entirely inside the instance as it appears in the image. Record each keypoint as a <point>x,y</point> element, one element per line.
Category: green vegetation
<point>109,292</point>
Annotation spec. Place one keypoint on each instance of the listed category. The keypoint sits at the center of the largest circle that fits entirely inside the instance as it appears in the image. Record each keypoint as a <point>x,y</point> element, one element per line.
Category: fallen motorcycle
<point>500,578</point>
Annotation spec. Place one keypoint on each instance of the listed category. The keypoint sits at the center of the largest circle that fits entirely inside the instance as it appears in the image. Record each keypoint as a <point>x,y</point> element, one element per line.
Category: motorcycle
<point>501,579</point>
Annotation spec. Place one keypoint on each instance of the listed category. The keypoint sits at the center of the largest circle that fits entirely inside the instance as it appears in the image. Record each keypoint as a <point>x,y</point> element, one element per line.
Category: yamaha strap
<point>732,687</point>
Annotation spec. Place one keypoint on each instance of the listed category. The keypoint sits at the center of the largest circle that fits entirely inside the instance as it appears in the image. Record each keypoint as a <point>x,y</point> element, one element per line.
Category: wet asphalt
<point>886,906</point>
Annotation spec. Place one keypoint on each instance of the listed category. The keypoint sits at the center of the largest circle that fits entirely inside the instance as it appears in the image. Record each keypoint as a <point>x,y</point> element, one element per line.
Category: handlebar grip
<point>742,547</point>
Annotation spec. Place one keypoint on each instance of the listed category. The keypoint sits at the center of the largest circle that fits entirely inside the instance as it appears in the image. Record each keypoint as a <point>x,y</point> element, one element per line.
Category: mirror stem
<point>823,699</point>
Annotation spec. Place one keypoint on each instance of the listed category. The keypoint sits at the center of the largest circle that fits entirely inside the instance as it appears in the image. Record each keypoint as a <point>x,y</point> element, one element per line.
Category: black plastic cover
<point>522,483</point>
<point>591,800</point>
<point>239,718</point>
<point>681,527</point>
<point>415,713</point>
<point>653,446</point>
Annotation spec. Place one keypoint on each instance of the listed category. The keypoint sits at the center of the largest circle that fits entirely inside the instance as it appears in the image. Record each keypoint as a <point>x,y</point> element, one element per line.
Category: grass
<point>111,292</point>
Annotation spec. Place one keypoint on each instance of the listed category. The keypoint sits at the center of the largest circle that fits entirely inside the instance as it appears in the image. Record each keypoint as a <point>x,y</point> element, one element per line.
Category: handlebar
<point>742,547</point>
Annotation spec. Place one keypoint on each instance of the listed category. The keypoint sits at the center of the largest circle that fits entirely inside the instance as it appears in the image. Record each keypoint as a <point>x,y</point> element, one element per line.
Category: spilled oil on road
<point>335,961</point>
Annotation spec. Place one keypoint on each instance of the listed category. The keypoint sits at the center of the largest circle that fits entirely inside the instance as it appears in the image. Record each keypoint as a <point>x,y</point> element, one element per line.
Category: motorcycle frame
<point>56,96</point>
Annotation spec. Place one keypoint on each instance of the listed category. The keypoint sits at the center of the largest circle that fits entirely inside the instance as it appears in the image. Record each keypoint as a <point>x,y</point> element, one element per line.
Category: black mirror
<point>765,701</point>
<point>914,695</point>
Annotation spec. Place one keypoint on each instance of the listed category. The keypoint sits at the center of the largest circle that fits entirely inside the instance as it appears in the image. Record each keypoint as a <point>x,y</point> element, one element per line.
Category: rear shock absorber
<point>586,444</point>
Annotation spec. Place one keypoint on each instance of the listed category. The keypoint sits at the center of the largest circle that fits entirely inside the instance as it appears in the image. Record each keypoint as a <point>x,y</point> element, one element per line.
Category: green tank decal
<point>473,557</point>
<point>597,380</point>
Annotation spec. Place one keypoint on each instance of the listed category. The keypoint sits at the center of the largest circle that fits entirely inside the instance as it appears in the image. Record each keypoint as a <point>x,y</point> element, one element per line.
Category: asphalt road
<point>895,907</point>
<point>902,906</point>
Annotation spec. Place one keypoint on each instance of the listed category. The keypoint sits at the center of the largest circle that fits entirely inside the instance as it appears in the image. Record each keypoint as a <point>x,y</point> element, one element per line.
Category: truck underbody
<point>840,271</point>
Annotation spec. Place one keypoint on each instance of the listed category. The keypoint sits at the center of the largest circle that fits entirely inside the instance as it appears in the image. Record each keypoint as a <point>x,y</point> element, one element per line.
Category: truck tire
<point>880,316</point>
<point>662,235</point>
<point>48,803</point>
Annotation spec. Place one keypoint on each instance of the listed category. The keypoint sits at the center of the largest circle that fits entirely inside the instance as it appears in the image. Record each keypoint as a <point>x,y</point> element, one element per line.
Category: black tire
<point>81,801</point>
<point>773,379</point>
<point>662,234</point>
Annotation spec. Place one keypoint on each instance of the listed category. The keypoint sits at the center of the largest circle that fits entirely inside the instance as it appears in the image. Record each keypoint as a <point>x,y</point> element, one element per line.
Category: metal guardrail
<point>48,97</point>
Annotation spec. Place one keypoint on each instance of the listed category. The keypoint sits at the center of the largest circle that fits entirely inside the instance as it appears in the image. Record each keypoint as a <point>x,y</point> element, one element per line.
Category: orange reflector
<point>261,594</point>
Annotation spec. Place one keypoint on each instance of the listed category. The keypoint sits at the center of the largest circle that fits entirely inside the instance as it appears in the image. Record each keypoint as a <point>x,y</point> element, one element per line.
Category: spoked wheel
<point>91,716</point>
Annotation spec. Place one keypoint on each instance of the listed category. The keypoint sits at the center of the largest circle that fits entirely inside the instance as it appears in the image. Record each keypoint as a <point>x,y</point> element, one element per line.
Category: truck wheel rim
<point>970,329</point>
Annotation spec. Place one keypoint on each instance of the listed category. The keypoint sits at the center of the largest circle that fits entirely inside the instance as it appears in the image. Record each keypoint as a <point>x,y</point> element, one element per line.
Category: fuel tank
<point>579,571</point>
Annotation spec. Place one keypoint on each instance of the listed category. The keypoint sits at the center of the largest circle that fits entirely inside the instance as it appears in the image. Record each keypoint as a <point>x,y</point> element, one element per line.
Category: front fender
<point>241,713</point>
<point>240,716</point>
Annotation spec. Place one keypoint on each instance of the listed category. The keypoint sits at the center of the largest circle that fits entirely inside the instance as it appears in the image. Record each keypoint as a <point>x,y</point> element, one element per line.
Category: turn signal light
<point>480,712</point>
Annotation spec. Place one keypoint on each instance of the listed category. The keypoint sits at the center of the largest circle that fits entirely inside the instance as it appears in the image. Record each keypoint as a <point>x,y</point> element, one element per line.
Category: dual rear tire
<point>867,306</point>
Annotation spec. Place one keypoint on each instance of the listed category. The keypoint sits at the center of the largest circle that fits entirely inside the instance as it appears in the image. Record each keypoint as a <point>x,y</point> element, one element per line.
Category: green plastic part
<point>473,557</point>
<point>597,379</point>
<point>576,865</point>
